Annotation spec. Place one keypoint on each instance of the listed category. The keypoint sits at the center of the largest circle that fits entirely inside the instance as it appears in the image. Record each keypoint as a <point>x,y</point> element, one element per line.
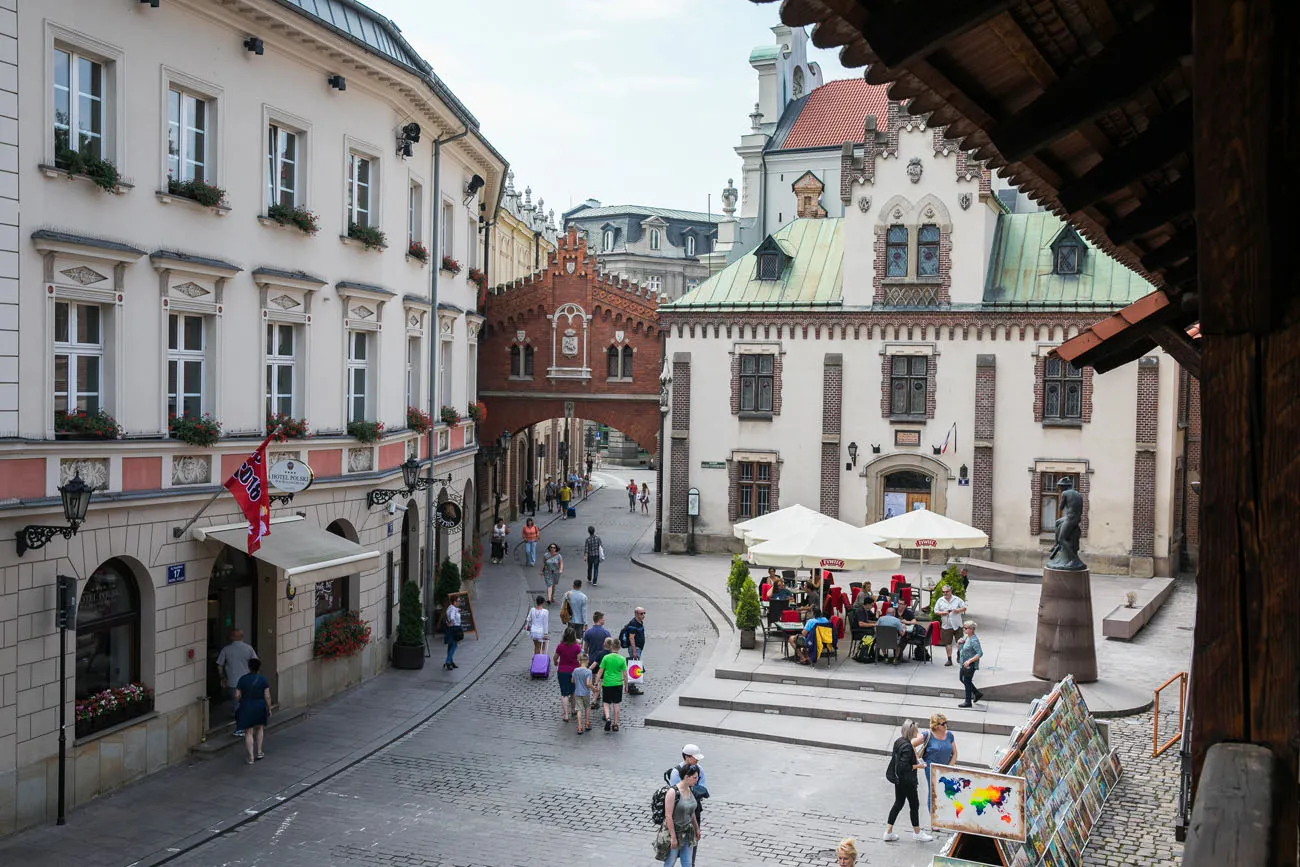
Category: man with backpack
<point>691,757</point>
<point>632,636</point>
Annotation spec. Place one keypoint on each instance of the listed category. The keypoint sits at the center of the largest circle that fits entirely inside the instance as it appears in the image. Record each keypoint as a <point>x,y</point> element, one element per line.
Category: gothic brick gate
<point>569,342</point>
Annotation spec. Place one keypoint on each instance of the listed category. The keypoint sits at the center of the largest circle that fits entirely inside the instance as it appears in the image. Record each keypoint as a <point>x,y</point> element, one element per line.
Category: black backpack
<point>657,804</point>
<point>657,801</point>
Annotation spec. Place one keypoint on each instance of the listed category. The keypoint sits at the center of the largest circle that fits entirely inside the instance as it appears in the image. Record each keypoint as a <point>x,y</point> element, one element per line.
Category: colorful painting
<point>978,802</point>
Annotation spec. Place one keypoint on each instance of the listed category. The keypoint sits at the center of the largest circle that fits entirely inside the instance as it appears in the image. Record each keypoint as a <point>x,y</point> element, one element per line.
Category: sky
<point>626,101</point>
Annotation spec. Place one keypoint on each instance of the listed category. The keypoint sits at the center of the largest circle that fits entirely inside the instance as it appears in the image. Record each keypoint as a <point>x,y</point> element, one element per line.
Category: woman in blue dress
<point>936,746</point>
<point>253,694</point>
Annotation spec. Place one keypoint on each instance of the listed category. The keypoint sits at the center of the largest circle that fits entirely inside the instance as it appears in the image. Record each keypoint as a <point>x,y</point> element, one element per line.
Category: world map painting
<point>977,802</point>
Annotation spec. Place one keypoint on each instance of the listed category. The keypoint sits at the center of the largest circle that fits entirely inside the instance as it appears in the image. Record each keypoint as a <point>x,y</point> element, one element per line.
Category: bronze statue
<point>1065,553</point>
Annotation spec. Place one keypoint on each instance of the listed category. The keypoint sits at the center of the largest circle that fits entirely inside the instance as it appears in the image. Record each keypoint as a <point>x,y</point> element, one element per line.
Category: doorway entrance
<point>232,604</point>
<point>906,491</point>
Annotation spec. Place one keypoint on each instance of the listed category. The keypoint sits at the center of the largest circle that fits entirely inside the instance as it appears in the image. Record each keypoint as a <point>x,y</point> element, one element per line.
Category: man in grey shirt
<point>578,609</point>
<point>233,664</point>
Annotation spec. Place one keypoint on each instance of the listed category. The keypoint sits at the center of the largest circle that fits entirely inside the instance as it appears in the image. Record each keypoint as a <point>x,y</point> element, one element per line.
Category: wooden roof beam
<point>1169,135</point>
<point>1173,201</point>
<point>1176,342</point>
<point>1177,248</point>
<point>1141,54</point>
<point>900,36</point>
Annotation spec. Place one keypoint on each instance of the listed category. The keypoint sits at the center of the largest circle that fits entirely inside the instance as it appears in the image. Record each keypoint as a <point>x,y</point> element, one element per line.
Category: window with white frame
<point>80,106</point>
<point>445,373</point>
<point>78,357</point>
<point>654,239</point>
<point>414,208</point>
<point>412,371</point>
<point>690,245</point>
<point>186,345</point>
<point>281,355</point>
<point>655,282</point>
<point>448,231</point>
<point>188,122</point>
<point>471,243</point>
<point>358,375</point>
<point>284,157</point>
<point>471,371</point>
<point>607,242</point>
<point>359,189</point>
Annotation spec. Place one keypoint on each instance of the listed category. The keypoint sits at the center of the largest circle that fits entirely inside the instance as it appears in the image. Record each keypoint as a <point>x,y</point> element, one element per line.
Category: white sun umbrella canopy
<point>923,529</point>
<point>827,546</point>
<point>782,521</point>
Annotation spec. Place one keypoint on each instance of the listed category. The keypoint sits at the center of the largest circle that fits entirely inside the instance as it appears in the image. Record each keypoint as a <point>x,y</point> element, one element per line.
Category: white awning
<point>300,552</point>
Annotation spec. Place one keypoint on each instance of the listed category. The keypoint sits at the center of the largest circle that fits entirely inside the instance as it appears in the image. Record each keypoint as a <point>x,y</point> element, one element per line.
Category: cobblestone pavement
<point>1137,825</point>
<point>496,780</point>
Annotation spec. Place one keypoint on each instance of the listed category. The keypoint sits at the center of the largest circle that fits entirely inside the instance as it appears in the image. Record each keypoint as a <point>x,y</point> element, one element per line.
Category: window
<point>655,282</point>
<point>448,235</point>
<point>359,211</point>
<point>414,227</point>
<point>1067,259</point>
<point>908,383</point>
<point>1048,500</point>
<point>756,378</point>
<point>282,160</point>
<point>412,370</point>
<point>618,362</point>
<point>627,362</point>
<point>358,374</point>
<point>896,252</point>
<point>927,252</point>
<point>654,239</point>
<point>471,243</point>
<point>79,105</point>
<point>1062,389</point>
<point>754,489</point>
<point>691,284</point>
<point>78,357</point>
<point>769,267</point>
<point>471,370</point>
<point>108,631</point>
<point>445,373</point>
<point>607,243</point>
<point>279,369</point>
<point>690,245</point>
<point>521,360</point>
<point>187,136</point>
<point>185,362</point>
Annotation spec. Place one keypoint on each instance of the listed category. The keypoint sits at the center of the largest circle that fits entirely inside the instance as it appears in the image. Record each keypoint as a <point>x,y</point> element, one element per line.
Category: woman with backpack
<point>683,829</point>
<point>566,660</point>
<point>937,746</point>
<point>901,771</point>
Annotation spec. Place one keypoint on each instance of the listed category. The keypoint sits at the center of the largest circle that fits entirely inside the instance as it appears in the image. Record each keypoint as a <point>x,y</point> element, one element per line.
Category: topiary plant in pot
<point>748,614</point>
<point>408,646</point>
<point>736,579</point>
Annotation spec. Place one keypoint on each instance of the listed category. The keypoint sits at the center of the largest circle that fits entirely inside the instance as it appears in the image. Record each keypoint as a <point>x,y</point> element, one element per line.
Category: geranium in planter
<point>344,635</point>
<point>290,428</point>
<point>370,237</point>
<point>471,560</point>
<point>450,265</point>
<point>418,420</point>
<point>416,250</point>
<point>449,415</point>
<point>299,217</point>
<point>111,707</point>
<point>209,195</point>
<point>478,278</point>
<point>202,431</point>
<point>478,412</point>
<point>366,431</point>
<point>89,426</point>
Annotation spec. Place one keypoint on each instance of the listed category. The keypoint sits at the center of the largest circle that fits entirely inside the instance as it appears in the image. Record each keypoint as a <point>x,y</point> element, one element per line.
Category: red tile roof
<point>835,112</point>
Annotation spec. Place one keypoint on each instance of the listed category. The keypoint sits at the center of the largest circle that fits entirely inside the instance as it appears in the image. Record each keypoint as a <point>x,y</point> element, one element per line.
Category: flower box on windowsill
<point>357,242</point>
<point>122,186</point>
<point>417,260</point>
<point>219,210</point>
<point>125,713</point>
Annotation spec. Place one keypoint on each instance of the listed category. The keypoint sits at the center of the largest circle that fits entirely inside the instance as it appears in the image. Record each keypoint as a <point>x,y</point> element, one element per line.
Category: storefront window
<point>108,631</point>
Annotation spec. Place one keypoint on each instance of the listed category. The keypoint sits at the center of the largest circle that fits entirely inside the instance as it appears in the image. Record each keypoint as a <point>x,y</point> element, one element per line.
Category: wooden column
<point>1247,110</point>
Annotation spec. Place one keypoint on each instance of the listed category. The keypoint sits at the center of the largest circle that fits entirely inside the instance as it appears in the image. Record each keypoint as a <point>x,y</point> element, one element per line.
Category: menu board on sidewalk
<point>461,601</point>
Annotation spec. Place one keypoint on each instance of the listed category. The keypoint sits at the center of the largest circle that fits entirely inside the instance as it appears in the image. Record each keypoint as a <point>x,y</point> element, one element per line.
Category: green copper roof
<point>811,277</point>
<point>764,52</point>
<point>1021,269</point>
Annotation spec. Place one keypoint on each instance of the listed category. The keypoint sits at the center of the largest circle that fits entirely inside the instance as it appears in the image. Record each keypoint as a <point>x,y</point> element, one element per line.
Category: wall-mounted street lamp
<point>665,383</point>
<point>493,453</point>
<point>255,45</point>
<point>411,479</point>
<point>853,456</point>
<point>963,472</point>
<point>76,499</point>
<point>337,82</point>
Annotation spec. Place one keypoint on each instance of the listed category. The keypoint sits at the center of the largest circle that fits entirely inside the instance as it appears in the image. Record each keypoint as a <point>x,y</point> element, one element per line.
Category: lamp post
<point>665,381</point>
<point>75,495</point>
<point>493,454</point>
<point>412,481</point>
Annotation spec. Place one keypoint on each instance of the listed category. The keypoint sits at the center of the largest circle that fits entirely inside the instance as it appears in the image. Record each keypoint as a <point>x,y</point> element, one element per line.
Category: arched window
<point>627,362</point>
<point>690,245</point>
<point>654,239</point>
<point>797,88</point>
<point>332,596</point>
<point>516,360</point>
<point>108,630</point>
<point>528,360</point>
<point>612,359</point>
<point>607,243</point>
<point>896,252</point>
<point>927,252</point>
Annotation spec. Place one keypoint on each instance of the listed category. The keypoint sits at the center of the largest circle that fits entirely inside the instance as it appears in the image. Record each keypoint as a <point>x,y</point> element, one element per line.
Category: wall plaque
<point>907,437</point>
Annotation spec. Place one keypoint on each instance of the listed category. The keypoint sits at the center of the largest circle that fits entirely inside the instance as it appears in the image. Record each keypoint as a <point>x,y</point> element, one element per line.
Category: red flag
<point>251,489</point>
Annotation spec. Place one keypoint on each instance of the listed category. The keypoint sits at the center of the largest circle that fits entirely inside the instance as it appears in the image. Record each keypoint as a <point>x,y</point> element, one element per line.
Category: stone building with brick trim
<point>925,314</point>
<point>277,296</point>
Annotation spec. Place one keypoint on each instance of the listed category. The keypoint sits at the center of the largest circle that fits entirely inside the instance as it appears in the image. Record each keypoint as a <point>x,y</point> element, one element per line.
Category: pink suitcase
<point>541,667</point>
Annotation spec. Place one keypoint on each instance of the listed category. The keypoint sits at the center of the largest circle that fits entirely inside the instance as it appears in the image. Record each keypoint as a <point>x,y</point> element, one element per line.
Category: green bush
<point>448,582</point>
<point>748,613</point>
<point>736,579</point>
<point>951,577</point>
<point>410,626</point>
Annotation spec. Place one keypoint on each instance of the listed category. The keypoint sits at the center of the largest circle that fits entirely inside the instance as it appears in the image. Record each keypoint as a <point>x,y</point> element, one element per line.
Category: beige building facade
<point>266,246</point>
<point>523,236</point>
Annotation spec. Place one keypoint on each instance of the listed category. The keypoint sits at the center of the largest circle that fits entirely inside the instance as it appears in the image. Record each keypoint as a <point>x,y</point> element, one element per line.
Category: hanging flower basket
<point>345,635</point>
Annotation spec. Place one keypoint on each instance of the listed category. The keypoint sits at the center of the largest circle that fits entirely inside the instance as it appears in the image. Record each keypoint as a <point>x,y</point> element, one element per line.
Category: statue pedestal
<point>1065,643</point>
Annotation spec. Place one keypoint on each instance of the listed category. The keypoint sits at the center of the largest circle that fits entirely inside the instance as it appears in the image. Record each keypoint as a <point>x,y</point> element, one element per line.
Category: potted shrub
<point>418,420</point>
<point>408,645</point>
<point>448,582</point>
<point>299,217</point>
<point>370,237</point>
<point>748,614</point>
<point>366,431</point>
<point>450,265</point>
<point>736,579</point>
<point>290,428</point>
<point>341,636</point>
<point>86,426</point>
<point>202,431</point>
<point>416,250</point>
<point>449,416</point>
<point>209,195</point>
<point>478,412</point>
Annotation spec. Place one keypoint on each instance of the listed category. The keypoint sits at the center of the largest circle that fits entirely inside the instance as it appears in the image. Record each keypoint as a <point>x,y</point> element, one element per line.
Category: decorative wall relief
<point>272,457</point>
<point>190,289</point>
<point>191,470</point>
<point>83,275</point>
<point>361,460</point>
<point>914,169</point>
<point>964,200</point>
<point>94,471</point>
<point>864,204</point>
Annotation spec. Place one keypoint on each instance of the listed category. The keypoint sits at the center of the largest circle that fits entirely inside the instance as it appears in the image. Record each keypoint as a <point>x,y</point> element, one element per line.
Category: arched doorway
<point>899,482</point>
<point>232,605</point>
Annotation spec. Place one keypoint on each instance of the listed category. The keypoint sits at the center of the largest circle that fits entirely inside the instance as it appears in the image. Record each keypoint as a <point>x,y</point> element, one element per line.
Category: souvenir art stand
<point>1070,772</point>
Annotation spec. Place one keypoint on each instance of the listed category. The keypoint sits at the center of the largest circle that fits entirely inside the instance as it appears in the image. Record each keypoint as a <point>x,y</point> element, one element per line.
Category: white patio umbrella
<point>836,546</point>
<point>922,529</point>
<point>790,518</point>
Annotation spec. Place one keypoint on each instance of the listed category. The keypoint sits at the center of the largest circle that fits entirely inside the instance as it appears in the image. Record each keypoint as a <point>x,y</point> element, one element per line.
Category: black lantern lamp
<point>411,479</point>
<point>853,455</point>
<point>76,500</point>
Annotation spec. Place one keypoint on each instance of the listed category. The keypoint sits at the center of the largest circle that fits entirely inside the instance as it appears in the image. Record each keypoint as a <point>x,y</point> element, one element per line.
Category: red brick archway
<point>566,319</point>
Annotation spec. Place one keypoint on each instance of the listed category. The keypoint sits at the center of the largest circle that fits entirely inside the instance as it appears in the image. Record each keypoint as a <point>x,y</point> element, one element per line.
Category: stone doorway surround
<point>876,470</point>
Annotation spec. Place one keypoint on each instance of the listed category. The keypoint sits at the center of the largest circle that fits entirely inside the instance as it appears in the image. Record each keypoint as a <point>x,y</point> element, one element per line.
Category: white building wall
<point>9,161</point>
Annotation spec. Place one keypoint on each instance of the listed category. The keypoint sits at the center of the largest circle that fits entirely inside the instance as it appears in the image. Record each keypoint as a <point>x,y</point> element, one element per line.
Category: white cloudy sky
<point>626,101</point>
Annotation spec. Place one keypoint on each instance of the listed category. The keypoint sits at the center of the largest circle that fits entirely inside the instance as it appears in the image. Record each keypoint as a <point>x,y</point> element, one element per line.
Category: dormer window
<point>1067,259</point>
<point>654,239</point>
<point>769,266</point>
<point>1068,250</point>
<point>607,243</point>
<point>690,245</point>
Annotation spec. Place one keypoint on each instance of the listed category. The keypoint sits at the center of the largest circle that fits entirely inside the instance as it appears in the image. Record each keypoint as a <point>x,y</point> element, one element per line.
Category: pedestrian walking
<point>538,625</point>
<point>632,636</point>
<point>566,660</point>
<point>632,491</point>
<point>593,642</point>
<point>531,533</point>
<point>500,531</point>
<point>566,494</point>
<point>935,746</point>
<point>552,569</point>
<point>452,633</point>
<point>577,608</point>
<point>527,501</point>
<point>551,493</point>
<point>253,695</point>
<point>232,662</point>
<point>949,609</point>
<point>846,854</point>
<point>902,769</point>
<point>969,653</point>
<point>645,498</point>
<point>582,693</point>
<point>593,551</point>
<point>680,819</point>
<point>613,678</point>
<point>691,758</point>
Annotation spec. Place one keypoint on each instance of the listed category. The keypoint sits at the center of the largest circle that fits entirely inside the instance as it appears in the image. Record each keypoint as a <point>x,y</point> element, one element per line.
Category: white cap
<point>694,751</point>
